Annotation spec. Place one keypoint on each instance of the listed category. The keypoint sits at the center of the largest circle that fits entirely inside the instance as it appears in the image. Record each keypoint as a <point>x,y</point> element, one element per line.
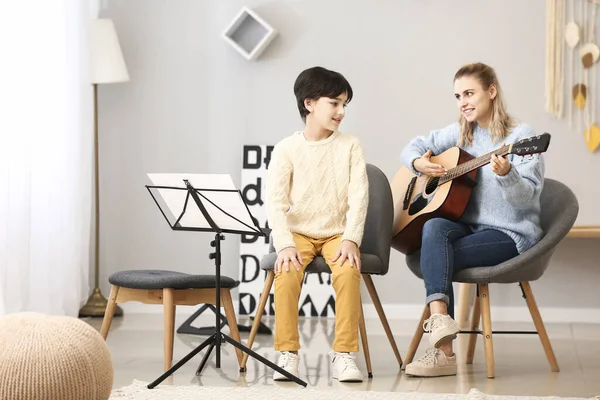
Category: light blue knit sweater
<point>509,203</point>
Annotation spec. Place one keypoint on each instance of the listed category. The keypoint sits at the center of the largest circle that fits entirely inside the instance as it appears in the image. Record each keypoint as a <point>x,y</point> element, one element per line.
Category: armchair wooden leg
<point>363,336</point>
<point>464,305</point>
<point>416,340</point>
<point>475,316</point>
<point>539,325</point>
<point>231,321</point>
<point>386,326</point>
<point>110,311</point>
<point>257,317</point>
<point>484,301</point>
<point>169,325</point>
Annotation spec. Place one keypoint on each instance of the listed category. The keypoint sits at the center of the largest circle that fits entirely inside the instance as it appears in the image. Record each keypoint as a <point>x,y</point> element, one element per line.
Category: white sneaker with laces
<point>434,363</point>
<point>441,327</point>
<point>289,362</point>
<point>344,368</point>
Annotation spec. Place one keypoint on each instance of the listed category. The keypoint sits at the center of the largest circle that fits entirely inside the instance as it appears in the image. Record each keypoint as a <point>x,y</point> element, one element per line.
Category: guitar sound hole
<point>432,184</point>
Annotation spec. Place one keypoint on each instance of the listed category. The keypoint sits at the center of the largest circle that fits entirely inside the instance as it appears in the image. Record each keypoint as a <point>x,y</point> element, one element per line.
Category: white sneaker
<point>434,363</point>
<point>441,327</point>
<point>344,368</point>
<point>289,362</point>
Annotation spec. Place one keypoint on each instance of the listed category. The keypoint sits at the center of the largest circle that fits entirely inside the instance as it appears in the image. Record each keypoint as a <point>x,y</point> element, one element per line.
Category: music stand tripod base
<point>187,328</point>
<point>190,219</point>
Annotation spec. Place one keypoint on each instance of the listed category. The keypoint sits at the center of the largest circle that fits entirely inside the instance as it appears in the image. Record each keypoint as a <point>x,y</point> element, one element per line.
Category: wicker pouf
<point>44,357</point>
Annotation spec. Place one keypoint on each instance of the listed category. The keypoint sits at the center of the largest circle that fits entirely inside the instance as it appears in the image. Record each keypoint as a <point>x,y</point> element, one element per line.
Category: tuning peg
<point>213,243</point>
<point>222,237</point>
<point>212,256</point>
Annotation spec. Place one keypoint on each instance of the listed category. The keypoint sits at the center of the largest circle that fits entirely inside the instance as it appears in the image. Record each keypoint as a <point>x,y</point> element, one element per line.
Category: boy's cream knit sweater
<point>317,188</point>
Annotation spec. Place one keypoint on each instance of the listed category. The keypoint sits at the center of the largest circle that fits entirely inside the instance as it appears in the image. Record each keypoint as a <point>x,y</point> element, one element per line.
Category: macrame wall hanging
<point>577,37</point>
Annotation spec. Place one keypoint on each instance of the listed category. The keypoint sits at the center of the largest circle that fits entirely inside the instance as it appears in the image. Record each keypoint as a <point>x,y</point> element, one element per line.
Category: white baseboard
<point>413,312</point>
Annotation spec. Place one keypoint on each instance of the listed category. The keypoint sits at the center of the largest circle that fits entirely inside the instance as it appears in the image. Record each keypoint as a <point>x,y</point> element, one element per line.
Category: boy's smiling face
<point>326,112</point>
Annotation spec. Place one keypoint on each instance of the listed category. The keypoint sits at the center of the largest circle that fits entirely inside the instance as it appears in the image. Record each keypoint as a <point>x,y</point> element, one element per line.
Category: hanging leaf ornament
<point>589,53</point>
<point>579,95</point>
<point>572,34</point>
<point>592,138</point>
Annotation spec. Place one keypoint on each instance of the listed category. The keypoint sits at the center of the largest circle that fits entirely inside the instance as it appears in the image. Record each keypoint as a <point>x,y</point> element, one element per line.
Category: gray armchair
<point>375,257</point>
<point>559,209</point>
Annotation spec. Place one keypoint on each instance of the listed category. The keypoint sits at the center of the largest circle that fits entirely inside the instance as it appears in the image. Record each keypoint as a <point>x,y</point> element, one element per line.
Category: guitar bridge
<point>409,192</point>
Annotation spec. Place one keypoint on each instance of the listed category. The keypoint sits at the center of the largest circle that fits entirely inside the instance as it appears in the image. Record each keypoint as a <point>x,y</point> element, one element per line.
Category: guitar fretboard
<point>473,164</point>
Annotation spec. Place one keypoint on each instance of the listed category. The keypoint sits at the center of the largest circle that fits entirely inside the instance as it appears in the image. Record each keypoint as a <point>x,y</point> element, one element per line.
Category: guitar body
<point>418,199</point>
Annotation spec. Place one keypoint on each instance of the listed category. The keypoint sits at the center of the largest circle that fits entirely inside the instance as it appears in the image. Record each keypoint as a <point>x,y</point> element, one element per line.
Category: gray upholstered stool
<point>170,288</point>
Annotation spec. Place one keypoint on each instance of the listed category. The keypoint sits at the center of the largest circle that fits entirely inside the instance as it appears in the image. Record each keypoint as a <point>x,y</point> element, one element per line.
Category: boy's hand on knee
<point>287,256</point>
<point>348,250</point>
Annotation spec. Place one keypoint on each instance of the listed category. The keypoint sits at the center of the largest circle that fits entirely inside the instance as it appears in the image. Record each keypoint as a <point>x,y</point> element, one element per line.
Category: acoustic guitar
<point>420,198</point>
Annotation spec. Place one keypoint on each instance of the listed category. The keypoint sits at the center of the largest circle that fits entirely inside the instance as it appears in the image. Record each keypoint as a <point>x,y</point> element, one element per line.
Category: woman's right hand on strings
<point>287,256</point>
<point>425,166</point>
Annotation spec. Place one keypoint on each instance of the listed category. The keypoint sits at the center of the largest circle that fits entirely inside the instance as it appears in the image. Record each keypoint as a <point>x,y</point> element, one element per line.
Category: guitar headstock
<point>532,145</point>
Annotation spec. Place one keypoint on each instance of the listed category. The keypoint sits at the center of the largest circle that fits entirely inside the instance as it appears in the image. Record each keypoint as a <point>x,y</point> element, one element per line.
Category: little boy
<point>317,197</point>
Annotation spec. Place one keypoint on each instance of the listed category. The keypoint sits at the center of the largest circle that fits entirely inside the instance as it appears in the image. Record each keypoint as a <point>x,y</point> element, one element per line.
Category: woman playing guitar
<point>501,219</point>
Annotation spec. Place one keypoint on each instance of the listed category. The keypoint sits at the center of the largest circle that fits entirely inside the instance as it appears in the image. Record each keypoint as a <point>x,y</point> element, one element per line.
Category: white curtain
<point>46,156</point>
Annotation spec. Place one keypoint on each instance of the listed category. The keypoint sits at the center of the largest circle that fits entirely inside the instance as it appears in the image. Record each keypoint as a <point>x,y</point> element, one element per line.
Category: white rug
<point>138,391</point>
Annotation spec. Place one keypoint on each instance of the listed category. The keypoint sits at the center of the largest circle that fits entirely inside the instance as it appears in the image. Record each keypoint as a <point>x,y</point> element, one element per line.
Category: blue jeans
<point>449,247</point>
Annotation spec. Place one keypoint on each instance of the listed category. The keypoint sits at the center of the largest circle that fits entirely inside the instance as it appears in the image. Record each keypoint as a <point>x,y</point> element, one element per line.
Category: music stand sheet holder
<point>207,203</point>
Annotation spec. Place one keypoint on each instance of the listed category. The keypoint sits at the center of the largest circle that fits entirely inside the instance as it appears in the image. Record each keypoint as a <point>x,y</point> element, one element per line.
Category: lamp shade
<point>106,62</point>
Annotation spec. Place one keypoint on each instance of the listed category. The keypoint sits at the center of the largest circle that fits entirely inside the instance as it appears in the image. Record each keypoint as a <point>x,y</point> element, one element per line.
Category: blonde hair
<point>501,122</point>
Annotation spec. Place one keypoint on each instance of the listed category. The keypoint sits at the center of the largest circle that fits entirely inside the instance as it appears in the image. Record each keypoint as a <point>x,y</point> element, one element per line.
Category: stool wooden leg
<point>231,321</point>
<point>539,326</point>
<point>169,326</point>
<point>110,311</point>
<point>475,316</point>
<point>362,327</point>
<point>386,326</point>
<point>259,312</point>
<point>416,340</point>
<point>486,317</point>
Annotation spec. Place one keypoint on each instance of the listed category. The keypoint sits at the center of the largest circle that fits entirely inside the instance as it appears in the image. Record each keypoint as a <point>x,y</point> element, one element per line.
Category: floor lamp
<point>107,66</point>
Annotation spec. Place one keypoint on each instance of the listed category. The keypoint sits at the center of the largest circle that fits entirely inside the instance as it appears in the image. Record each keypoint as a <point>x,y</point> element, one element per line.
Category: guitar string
<point>465,167</point>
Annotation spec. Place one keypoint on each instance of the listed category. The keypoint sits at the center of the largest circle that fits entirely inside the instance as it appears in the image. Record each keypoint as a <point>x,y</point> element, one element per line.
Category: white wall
<point>193,102</point>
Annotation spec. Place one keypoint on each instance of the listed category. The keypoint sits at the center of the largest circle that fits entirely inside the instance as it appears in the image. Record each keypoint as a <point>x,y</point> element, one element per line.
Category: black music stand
<point>219,209</point>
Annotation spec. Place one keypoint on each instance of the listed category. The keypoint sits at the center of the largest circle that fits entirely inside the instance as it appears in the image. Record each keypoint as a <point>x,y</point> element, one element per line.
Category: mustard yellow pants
<point>346,284</point>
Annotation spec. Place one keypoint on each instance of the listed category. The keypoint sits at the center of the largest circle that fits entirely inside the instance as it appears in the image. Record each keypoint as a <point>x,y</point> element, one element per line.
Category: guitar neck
<point>473,164</point>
